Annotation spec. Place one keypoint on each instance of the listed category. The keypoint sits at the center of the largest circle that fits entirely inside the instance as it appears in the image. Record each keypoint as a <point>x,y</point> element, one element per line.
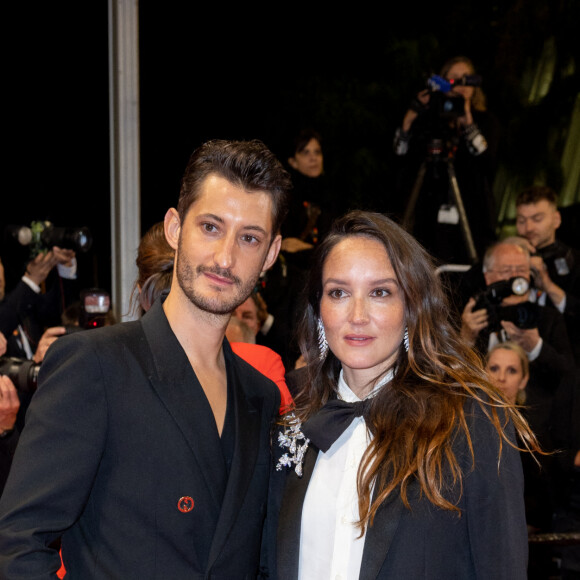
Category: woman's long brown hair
<point>416,418</point>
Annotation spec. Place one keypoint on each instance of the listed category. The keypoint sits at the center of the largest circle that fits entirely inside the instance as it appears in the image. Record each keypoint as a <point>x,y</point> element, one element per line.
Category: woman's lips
<point>358,339</point>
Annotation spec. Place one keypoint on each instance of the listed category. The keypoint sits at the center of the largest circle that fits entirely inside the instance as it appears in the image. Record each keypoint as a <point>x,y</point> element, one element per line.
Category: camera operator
<point>471,136</point>
<point>547,346</point>
<point>9,406</point>
<point>37,301</point>
<point>555,266</point>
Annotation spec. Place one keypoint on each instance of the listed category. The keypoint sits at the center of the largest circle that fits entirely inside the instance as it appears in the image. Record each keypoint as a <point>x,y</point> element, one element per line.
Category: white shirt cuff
<point>535,353</point>
<point>33,285</point>
<point>68,272</point>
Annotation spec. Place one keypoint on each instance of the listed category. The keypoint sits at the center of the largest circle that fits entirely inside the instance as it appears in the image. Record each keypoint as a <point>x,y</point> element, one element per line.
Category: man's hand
<point>63,256</point>
<point>49,336</point>
<point>527,338</point>
<point>472,322</point>
<point>39,268</point>
<point>542,280</point>
<point>9,404</point>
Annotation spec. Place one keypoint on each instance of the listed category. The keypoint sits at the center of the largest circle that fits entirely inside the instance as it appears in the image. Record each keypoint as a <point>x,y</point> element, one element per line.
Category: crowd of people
<point>303,394</point>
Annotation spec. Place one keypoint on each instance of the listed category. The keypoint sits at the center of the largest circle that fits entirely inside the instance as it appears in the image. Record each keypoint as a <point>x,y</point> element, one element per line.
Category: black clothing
<point>563,263</point>
<point>475,174</point>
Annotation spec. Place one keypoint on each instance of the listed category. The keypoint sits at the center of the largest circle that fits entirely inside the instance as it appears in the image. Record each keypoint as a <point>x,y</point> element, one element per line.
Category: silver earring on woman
<point>406,339</point>
<point>322,342</point>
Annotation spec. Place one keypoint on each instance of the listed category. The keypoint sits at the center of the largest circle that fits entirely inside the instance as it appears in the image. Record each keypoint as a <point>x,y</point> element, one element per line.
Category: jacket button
<point>185,504</point>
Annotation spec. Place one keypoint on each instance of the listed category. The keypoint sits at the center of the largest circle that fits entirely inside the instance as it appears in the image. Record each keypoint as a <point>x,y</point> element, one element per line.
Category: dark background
<point>251,74</point>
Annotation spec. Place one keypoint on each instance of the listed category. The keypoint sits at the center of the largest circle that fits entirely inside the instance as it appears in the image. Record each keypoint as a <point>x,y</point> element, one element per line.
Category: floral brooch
<point>296,442</point>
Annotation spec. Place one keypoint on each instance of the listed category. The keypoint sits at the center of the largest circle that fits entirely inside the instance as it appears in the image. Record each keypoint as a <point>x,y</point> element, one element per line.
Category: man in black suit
<point>146,448</point>
<point>555,265</point>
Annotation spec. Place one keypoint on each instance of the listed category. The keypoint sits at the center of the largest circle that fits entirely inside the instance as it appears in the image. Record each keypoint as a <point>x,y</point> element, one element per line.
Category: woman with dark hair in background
<point>400,459</point>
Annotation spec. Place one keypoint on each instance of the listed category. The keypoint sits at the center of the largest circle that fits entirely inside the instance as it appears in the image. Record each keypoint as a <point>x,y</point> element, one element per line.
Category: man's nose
<point>224,253</point>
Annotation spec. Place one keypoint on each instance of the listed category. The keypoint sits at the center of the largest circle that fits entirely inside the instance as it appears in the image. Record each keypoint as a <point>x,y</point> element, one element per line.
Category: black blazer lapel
<point>380,536</point>
<point>290,518</point>
<point>247,429</point>
<point>172,377</point>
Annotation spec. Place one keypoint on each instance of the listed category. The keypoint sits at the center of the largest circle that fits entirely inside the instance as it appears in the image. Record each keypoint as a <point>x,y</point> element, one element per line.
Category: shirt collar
<point>346,394</point>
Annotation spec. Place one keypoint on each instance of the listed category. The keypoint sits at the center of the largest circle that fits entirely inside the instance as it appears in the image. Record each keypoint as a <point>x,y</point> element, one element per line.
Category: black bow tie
<point>330,422</point>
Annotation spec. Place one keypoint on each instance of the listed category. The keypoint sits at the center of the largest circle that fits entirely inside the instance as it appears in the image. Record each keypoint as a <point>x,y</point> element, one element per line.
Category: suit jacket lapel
<point>289,523</point>
<point>247,421</point>
<point>380,536</point>
<point>177,386</point>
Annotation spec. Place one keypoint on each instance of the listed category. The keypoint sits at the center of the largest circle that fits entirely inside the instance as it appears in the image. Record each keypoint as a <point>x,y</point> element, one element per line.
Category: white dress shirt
<point>330,546</point>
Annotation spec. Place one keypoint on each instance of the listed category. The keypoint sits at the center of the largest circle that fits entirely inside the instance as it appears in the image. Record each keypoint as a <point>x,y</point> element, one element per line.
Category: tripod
<point>435,151</point>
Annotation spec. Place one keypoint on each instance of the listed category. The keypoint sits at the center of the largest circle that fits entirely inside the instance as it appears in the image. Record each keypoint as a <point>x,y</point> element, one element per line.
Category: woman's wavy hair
<point>415,420</point>
<point>154,261</point>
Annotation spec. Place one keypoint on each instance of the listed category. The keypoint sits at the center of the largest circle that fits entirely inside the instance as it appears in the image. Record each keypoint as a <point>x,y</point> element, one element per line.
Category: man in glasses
<point>541,332</point>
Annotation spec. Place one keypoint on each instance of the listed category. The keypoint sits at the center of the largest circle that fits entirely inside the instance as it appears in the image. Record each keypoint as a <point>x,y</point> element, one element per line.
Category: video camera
<point>445,105</point>
<point>523,315</point>
<point>41,236</point>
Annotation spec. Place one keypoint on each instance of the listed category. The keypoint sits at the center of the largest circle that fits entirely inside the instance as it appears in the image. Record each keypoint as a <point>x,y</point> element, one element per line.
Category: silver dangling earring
<point>406,339</point>
<point>322,342</point>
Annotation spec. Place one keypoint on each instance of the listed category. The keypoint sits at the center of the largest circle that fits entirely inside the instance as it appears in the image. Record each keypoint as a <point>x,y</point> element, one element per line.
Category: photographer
<point>37,301</point>
<point>543,338</point>
<point>440,124</point>
<point>556,266</point>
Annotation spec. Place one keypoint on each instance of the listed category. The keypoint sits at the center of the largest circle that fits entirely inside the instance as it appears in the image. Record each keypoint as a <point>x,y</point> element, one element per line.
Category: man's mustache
<point>222,272</point>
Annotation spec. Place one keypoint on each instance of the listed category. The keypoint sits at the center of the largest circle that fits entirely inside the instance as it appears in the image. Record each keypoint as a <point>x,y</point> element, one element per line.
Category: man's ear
<point>172,226</point>
<point>273,252</point>
<point>557,220</point>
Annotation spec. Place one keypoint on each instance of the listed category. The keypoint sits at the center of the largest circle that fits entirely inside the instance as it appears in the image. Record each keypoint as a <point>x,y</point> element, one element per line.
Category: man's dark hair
<point>246,164</point>
<point>535,194</point>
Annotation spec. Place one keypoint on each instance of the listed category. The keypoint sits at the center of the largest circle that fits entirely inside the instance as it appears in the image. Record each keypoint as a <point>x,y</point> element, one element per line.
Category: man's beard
<point>215,305</point>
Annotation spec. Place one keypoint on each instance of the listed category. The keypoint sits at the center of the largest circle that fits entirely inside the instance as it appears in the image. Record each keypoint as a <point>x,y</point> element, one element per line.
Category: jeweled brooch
<point>296,442</point>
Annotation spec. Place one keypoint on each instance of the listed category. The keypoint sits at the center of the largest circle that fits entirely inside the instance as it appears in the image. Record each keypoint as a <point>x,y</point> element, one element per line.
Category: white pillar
<point>124,150</point>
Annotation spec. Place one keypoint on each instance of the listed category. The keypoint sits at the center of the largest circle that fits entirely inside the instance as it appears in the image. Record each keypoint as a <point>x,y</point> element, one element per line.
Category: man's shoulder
<point>106,338</point>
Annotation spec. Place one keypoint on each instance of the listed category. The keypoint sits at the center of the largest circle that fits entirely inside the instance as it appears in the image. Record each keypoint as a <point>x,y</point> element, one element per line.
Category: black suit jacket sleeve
<point>21,297</point>
<point>58,455</point>
<point>555,359</point>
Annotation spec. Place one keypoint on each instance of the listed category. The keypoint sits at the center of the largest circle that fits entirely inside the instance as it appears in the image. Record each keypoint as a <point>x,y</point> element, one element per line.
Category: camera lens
<point>520,286</point>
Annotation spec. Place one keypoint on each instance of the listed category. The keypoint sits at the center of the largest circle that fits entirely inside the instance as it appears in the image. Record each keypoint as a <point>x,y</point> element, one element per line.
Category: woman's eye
<point>336,293</point>
<point>380,292</point>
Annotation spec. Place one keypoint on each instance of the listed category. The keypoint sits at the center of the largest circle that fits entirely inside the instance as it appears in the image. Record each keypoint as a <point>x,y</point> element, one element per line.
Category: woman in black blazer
<point>400,458</point>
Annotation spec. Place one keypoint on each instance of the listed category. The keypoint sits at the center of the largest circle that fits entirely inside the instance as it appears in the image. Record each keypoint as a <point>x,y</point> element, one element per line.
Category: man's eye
<point>250,239</point>
<point>209,227</point>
